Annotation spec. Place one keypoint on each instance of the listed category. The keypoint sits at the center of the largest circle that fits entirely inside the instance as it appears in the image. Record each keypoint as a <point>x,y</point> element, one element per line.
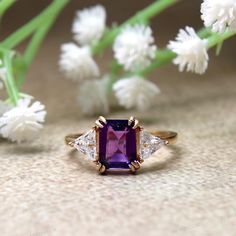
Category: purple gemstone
<point>117,144</point>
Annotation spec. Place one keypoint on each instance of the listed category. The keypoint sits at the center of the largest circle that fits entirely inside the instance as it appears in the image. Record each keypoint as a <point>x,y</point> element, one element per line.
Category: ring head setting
<point>118,144</point>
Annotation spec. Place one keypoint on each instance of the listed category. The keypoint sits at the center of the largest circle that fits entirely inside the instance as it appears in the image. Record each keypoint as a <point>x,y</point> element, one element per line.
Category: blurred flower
<point>22,123</point>
<point>219,14</point>
<point>134,48</point>
<point>135,92</point>
<point>3,72</point>
<point>93,98</point>
<point>191,51</point>
<point>77,62</point>
<point>89,25</point>
<point>4,107</point>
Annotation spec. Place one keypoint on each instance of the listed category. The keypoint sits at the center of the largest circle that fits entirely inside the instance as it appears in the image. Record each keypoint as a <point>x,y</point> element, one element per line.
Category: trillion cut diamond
<point>86,143</point>
<point>149,144</point>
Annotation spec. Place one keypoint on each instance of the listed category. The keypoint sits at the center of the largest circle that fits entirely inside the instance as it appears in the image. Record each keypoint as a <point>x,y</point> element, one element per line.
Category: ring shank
<point>168,136</point>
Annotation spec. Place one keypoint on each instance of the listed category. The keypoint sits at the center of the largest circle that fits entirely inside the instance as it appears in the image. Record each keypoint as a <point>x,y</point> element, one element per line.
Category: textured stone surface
<point>46,190</point>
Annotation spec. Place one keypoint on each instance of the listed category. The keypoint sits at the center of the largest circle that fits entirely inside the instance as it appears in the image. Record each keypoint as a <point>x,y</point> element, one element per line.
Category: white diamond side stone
<point>86,144</point>
<point>149,144</point>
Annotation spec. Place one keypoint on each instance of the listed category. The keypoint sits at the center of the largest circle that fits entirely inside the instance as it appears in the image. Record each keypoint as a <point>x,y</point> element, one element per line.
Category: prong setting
<point>136,123</point>
<point>134,166</point>
<point>102,169</point>
<point>102,119</point>
<point>98,165</point>
<point>99,123</point>
<point>71,144</point>
<point>131,120</point>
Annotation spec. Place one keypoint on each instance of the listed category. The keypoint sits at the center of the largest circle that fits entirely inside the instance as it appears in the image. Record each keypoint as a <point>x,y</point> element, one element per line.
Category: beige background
<point>189,189</point>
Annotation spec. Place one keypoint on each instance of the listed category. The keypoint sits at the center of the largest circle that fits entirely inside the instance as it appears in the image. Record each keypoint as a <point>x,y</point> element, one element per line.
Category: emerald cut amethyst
<point>117,144</point>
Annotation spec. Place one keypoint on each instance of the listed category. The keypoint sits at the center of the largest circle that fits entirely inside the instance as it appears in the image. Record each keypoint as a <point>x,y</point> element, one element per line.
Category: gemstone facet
<point>149,144</point>
<point>86,143</point>
<point>117,144</point>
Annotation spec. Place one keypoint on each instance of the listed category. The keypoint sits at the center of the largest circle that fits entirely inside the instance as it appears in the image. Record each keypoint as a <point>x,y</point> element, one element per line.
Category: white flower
<point>135,92</point>
<point>23,122</point>
<point>191,51</point>
<point>134,48</point>
<point>4,107</point>
<point>3,72</point>
<point>219,14</point>
<point>93,98</point>
<point>77,62</point>
<point>89,25</point>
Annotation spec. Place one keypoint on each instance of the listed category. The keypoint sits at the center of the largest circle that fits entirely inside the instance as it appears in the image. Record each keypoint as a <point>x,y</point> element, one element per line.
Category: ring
<point>119,144</point>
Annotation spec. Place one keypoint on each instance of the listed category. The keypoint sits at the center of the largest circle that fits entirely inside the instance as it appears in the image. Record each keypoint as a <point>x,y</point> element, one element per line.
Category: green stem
<point>204,33</point>
<point>144,15</point>
<point>35,43</point>
<point>163,57</point>
<point>115,68</point>
<point>4,5</point>
<point>42,22</point>
<point>25,31</point>
<point>30,53</point>
<point>218,38</point>
<point>9,80</point>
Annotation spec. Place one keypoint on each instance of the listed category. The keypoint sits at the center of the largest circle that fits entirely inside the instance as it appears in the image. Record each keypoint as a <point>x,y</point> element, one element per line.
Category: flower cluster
<point>77,62</point>
<point>133,48</point>
<point>20,116</point>
<point>135,54</point>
